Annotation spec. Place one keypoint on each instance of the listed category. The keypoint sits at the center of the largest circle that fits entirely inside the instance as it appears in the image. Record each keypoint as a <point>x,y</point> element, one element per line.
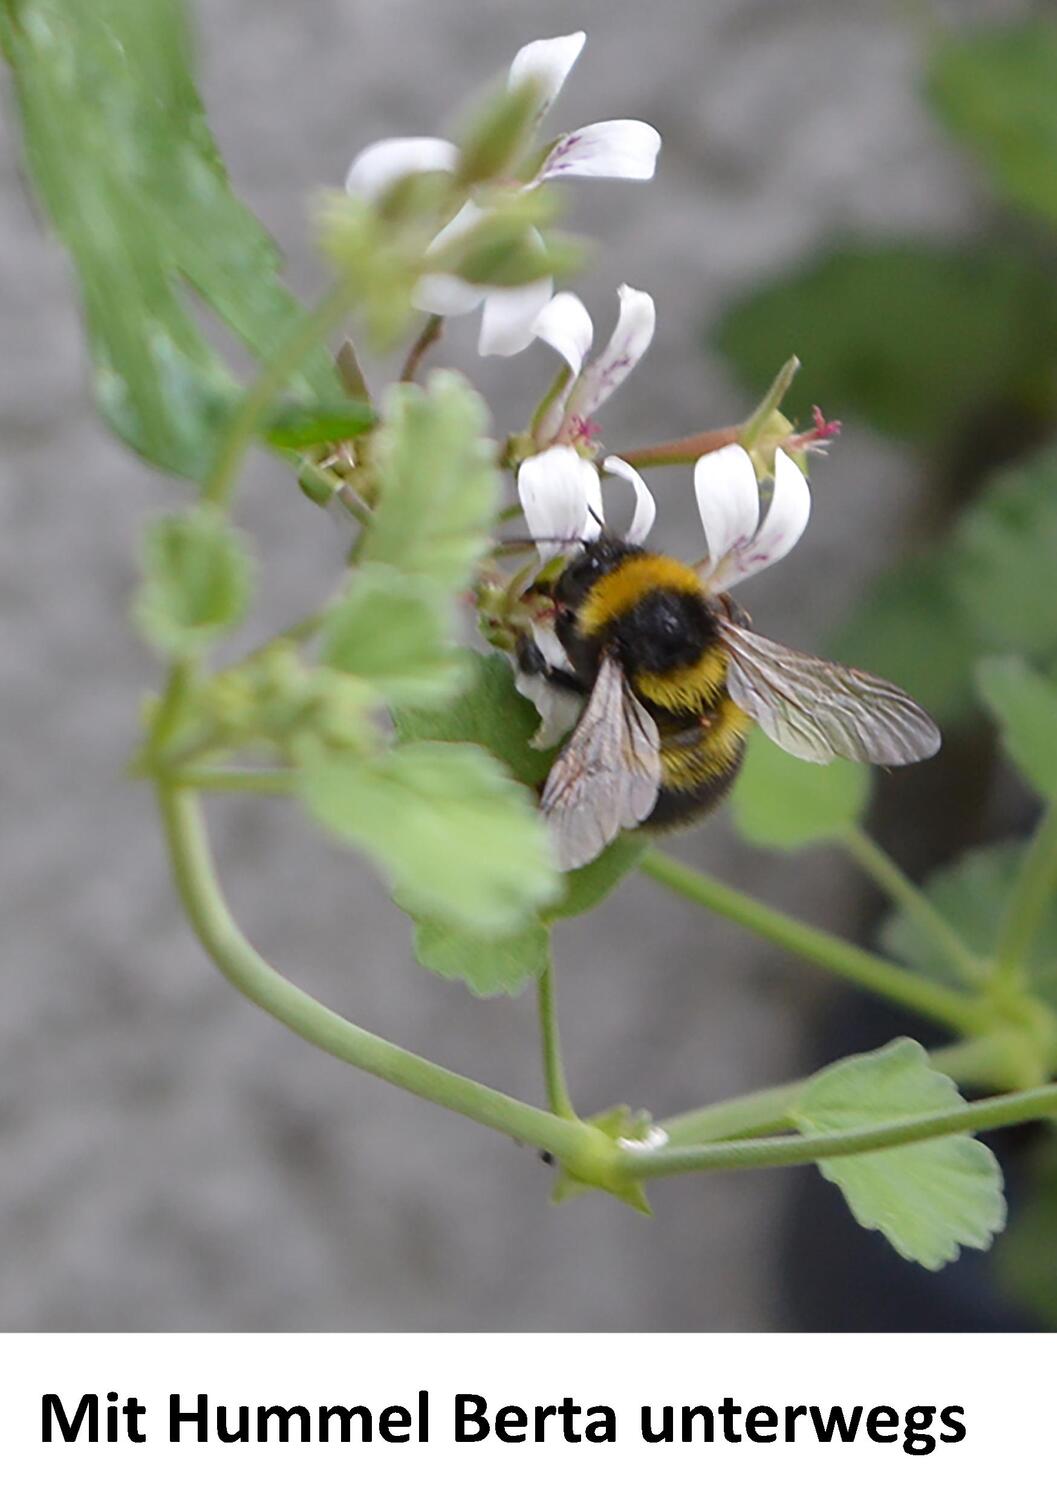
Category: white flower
<point>728,498</point>
<point>612,148</point>
<point>561,496</point>
<point>566,325</point>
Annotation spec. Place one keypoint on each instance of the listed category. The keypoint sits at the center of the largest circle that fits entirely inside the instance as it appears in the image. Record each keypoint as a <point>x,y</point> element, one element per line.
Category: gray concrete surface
<point>170,1159</point>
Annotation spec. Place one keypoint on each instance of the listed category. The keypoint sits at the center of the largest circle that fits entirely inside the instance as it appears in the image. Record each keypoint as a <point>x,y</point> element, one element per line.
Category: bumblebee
<point>672,677</point>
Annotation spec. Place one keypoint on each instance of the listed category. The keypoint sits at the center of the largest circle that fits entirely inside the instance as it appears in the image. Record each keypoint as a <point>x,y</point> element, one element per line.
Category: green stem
<point>684,450</point>
<point>243,966</point>
<point>1028,901</point>
<point>431,332</point>
<point>902,892</point>
<point>263,783</point>
<point>789,1151</point>
<point>935,1001</point>
<point>553,1068</point>
<point>979,1060</point>
<point>309,329</point>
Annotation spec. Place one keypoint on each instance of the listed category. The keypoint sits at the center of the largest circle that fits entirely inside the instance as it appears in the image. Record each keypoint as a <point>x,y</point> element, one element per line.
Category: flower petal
<point>566,325</point>
<point>783,525</point>
<point>546,63</point>
<point>557,708</point>
<point>645,505</point>
<point>728,498</point>
<point>610,148</point>
<point>631,338</point>
<point>561,495</point>
<point>378,166</point>
<point>510,315</point>
<point>446,295</point>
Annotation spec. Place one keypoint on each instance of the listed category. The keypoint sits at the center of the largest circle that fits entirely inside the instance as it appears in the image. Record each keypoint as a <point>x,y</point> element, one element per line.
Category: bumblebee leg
<point>532,661</point>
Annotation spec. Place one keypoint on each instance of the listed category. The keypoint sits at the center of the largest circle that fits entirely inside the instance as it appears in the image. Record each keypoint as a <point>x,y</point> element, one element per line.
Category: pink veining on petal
<point>582,430</point>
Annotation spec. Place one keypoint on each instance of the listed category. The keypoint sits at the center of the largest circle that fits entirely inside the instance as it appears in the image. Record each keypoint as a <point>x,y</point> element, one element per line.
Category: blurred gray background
<point>171,1159</point>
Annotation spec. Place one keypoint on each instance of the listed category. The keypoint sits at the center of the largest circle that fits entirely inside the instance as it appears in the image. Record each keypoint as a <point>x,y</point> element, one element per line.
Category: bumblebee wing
<point>818,710</point>
<point>609,774</point>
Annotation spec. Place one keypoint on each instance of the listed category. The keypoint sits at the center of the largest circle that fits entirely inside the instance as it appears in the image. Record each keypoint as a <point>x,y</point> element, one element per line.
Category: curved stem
<point>263,783</point>
<point>902,892</point>
<point>553,1068</point>
<point>789,1151</point>
<point>431,332</point>
<point>1027,904</point>
<point>243,966</point>
<point>301,338</point>
<point>935,1001</point>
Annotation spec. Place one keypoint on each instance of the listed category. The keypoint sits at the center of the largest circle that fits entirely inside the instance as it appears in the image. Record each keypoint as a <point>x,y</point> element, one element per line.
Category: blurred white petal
<point>645,505</point>
<point>783,525</point>
<point>380,165</point>
<point>631,338</point>
<point>557,708</point>
<point>611,148</point>
<point>447,295</point>
<point>510,315</point>
<point>550,647</point>
<point>561,496</point>
<point>548,64</point>
<point>728,498</point>
<point>566,325</point>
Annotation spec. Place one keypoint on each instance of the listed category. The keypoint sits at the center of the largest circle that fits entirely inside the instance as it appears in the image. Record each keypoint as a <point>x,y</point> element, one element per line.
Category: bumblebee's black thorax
<point>649,608</point>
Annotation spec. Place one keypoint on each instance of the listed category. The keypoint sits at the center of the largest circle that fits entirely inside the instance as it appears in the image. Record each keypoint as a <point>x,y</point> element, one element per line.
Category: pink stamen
<point>583,429</point>
<point>823,429</point>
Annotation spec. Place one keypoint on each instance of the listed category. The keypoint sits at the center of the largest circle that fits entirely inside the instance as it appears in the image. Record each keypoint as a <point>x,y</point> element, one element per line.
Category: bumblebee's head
<point>596,559</point>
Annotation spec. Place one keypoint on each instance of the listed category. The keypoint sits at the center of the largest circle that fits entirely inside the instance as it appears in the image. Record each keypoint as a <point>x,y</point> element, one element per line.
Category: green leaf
<point>196,585</point>
<point>387,631</point>
<point>489,711</point>
<point>927,1199</point>
<point>439,489</point>
<point>459,839</point>
<point>913,339</point>
<point>1002,560</point>
<point>486,965</point>
<point>300,425</point>
<point>994,89</point>
<point>118,147</point>
<point>589,886</point>
<point>972,894</point>
<point>1025,705</point>
<point>785,803</point>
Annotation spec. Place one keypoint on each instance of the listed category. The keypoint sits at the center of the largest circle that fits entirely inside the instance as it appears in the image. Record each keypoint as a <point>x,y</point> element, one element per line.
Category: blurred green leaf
<point>785,803</point>
<point>120,153</point>
<point>972,894</point>
<point>439,489</point>
<point>499,132</point>
<point>910,338</point>
<point>489,711</point>
<point>994,88</point>
<point>927,1199</point>
<point>1001,557</point>
<point>461,842</point>
<point>386,630</point>
<point>303,425</point>
<point>196,582</point>
<point>486,965</point>
<point>1025,706</point>
<point>1026,1264</point>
